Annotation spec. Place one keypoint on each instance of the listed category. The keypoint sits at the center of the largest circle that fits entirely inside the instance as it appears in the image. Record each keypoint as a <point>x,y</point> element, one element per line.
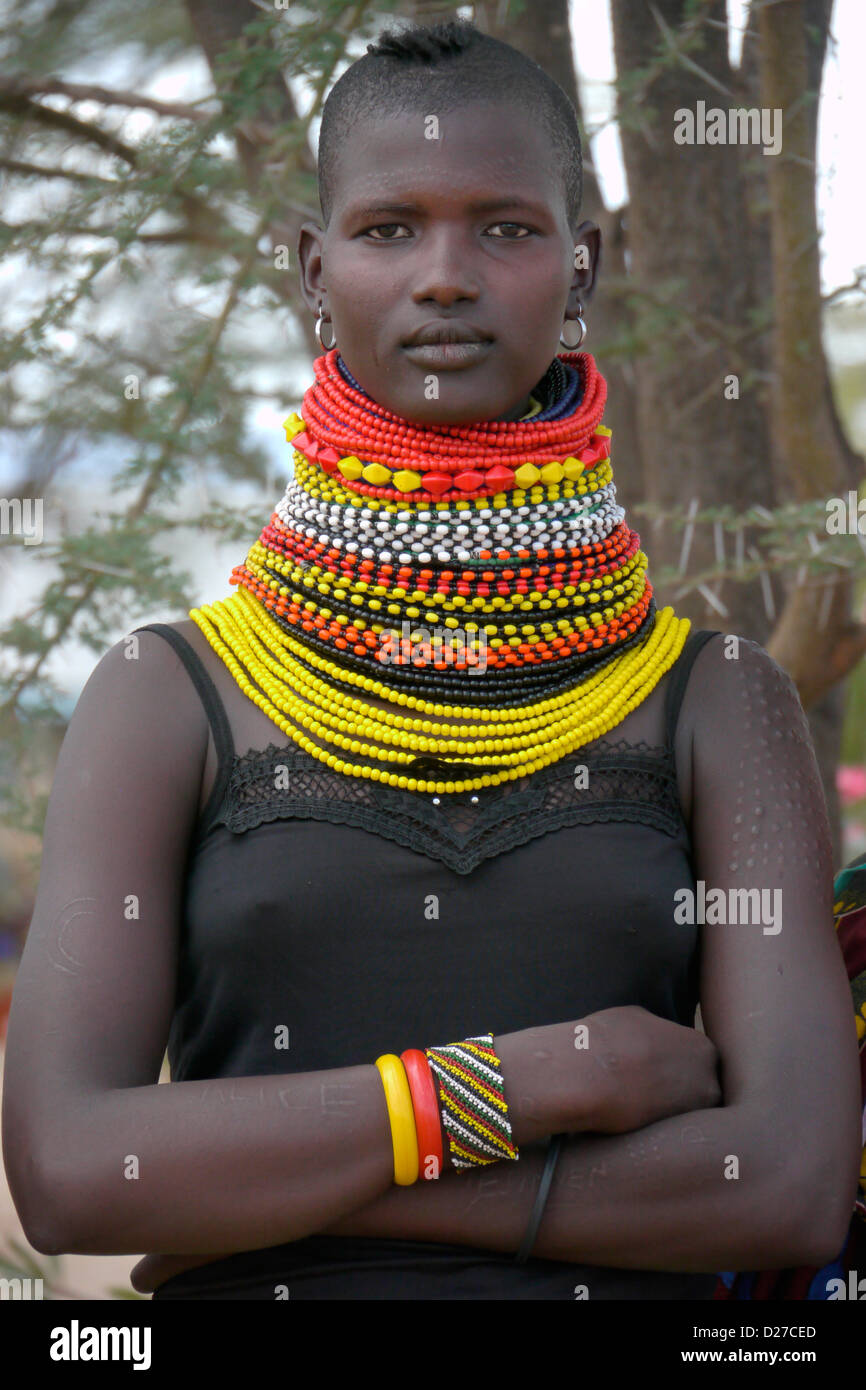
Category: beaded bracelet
<point>474,1109</point>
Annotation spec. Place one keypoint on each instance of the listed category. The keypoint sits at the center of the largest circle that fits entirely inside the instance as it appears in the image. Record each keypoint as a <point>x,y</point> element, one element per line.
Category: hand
<point>647,1068</point>
<point>610,1072</point>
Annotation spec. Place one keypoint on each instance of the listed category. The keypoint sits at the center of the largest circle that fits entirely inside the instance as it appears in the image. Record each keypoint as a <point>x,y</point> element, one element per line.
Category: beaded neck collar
<point>480,573</point>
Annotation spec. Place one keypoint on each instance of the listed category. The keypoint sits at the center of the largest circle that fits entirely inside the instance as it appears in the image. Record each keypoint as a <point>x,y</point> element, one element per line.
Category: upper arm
<point>95,987</point>
<point>774,992</point>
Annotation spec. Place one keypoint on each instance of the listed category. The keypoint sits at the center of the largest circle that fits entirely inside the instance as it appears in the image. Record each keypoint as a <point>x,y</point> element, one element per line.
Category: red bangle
<point>425,1103</point>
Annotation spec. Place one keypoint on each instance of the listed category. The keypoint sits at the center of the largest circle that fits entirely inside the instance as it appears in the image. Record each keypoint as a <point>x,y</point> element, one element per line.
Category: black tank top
<point>366,919</point>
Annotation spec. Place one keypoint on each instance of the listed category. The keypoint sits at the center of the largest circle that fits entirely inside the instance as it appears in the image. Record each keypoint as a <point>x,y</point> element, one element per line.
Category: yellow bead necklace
<point>586,712</point>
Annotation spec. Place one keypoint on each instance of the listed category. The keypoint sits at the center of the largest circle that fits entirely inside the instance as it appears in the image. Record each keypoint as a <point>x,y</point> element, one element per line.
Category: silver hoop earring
<point>326,347</point>
<point>572,347</point>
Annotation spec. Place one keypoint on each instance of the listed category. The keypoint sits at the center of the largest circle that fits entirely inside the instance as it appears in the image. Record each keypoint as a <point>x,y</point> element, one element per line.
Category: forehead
<point>472,151</point>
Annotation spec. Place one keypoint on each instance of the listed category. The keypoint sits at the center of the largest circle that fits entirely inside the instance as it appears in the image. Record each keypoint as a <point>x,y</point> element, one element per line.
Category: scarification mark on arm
<point>56,948</point>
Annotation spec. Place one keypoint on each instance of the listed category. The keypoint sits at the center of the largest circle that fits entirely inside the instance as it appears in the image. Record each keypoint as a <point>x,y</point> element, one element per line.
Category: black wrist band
<point>553,1147</point>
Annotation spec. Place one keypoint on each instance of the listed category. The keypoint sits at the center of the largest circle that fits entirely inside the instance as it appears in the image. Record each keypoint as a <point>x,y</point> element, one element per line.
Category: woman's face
<point>409,244</point>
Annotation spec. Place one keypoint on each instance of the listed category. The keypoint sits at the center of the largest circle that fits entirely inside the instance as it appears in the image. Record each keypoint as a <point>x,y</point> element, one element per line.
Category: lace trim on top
<point>624,782</point>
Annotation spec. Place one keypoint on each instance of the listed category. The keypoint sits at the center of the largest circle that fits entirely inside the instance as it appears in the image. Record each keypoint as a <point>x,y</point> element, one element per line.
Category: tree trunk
<point>733,225</point>
<point>695,283</point>
<point>816,639</point>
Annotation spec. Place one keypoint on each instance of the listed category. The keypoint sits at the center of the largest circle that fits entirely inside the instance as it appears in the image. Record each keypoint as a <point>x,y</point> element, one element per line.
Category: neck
<point>516,412</point>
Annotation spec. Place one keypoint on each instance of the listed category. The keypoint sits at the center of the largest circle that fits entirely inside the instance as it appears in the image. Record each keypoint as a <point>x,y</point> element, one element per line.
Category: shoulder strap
<point>696,639</point>
<point>215,710</point>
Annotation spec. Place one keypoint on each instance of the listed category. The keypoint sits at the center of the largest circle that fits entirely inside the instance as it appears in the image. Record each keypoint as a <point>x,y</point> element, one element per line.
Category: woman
<point>527,915</point>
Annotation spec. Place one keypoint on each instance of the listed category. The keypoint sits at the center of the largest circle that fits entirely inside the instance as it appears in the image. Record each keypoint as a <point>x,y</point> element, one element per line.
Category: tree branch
<point>182,414</point>
<point>16,104</point>
<point>857,286</point>
<point>81,91</point>
<point>18,166</point>
<point>171,237</point>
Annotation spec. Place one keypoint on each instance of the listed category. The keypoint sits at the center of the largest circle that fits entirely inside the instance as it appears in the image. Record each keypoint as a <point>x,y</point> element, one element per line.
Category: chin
<point>454,407</point>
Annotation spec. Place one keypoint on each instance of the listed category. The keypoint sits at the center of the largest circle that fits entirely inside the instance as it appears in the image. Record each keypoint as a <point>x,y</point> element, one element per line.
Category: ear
<point>587,241</point>
<point>310,239</point>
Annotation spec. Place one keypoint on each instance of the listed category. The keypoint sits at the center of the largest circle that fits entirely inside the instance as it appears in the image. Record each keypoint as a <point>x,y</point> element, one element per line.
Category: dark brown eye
<point>379,227</point>
<point>518,225</point>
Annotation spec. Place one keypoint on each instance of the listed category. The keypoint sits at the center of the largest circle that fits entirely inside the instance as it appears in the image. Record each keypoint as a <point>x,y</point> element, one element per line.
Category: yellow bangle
<point>398,1099</point>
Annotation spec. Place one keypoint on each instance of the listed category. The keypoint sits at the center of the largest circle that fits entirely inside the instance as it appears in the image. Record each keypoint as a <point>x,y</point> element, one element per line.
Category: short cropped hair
<point>436,68</point>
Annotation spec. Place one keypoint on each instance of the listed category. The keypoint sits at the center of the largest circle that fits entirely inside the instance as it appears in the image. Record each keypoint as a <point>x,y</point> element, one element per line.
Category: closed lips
<point>432,333</point>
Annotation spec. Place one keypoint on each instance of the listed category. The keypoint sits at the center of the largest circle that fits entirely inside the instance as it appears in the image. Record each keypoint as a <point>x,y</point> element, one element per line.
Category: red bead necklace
<point>341,420</point>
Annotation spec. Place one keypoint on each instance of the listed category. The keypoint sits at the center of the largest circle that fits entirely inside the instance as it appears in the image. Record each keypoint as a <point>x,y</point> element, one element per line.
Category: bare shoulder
<point>186,628</point>
<point>192,633</point>
<point>738,695</point>
<point>139,698</point>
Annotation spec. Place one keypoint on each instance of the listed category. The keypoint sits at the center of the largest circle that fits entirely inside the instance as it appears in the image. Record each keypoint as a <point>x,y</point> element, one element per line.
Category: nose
<point>444,269</point>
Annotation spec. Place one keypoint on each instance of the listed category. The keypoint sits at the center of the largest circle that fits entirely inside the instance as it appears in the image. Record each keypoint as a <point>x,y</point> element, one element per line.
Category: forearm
<point>657,1198</point>
<point>212,1166</point>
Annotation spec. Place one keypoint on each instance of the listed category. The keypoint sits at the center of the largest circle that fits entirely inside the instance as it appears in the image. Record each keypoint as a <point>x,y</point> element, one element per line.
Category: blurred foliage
<point>40,38</point>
